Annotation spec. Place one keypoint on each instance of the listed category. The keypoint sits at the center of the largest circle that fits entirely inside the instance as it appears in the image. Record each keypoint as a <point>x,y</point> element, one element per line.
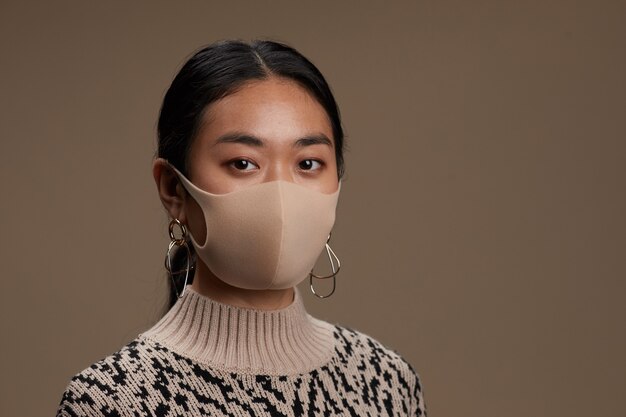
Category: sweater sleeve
<point>77,401</point>
<point>418,408</point>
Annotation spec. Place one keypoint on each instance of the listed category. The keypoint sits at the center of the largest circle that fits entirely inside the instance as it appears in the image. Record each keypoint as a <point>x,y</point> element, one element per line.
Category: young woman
<point>249,168</point>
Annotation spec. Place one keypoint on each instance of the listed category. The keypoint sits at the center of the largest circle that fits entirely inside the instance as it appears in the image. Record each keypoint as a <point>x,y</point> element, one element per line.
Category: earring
<point>329,251</point>
<point>181,242</point>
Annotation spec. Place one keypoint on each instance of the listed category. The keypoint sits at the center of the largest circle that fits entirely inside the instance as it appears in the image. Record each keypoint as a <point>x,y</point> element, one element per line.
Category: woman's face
<point>268,130</point>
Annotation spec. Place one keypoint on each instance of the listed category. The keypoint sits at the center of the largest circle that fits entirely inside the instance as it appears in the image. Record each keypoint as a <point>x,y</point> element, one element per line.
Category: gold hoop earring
<point>329,251</point>
<point>180,242</point>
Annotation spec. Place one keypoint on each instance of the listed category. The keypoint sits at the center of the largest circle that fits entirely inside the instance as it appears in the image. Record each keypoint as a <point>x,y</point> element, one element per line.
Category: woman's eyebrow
<point>246,139</point>
<point>239,138</point>
<point>319,139</point>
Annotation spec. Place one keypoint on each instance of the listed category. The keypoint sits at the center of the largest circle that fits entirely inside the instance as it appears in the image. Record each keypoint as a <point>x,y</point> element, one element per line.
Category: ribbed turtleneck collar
<point>285,341</point>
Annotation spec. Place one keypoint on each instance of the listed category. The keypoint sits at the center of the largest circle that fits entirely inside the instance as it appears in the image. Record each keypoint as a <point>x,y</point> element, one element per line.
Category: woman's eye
<point>309,164</point>
<point>243,164</point>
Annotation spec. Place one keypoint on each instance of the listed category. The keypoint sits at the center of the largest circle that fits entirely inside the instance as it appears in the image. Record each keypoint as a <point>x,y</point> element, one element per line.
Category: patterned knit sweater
<point>205,358</point>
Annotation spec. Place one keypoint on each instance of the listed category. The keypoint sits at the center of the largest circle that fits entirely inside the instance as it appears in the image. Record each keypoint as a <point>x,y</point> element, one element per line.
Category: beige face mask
<point>263,236</point>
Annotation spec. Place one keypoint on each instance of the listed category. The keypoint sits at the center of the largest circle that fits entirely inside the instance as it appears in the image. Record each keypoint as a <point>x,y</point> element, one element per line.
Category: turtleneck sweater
<point>206,358</point>
<point>286,341</point>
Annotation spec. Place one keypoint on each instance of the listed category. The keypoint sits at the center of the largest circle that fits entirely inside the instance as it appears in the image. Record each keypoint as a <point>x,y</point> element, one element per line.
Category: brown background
<point>481,224</point>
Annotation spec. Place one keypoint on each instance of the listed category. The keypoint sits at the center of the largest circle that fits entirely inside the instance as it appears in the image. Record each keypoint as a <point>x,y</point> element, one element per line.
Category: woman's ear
<point>171,191</point>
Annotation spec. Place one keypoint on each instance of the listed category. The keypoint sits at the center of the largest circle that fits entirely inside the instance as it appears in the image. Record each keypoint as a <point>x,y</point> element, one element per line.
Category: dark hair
<point>215,71</point>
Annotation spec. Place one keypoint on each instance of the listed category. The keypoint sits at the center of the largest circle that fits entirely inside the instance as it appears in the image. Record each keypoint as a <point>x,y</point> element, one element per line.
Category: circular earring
<point>181,243</point>
<point>329,251</point>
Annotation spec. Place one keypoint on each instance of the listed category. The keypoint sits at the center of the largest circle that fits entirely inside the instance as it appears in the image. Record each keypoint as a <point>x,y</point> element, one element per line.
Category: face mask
<point>263,236</point>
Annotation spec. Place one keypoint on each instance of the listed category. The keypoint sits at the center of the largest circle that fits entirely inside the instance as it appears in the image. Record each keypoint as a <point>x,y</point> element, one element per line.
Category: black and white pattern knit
<point>360,377</point>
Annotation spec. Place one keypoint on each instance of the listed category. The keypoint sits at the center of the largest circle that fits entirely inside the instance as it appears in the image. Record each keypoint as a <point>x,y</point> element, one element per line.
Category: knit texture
<point>205,358</point>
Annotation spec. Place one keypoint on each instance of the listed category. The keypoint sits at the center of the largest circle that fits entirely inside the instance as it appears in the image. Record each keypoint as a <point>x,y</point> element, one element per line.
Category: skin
<point>276,113</point>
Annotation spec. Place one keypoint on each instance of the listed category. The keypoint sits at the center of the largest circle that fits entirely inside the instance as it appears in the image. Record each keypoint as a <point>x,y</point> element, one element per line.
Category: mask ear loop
<point>329,251</point>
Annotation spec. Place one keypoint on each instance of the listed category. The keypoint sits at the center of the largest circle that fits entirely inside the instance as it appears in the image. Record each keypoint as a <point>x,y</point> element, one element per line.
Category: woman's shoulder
<point>99,388</point>
<point>378,364</point>
<point>357,344</point>
<point>368,352</point>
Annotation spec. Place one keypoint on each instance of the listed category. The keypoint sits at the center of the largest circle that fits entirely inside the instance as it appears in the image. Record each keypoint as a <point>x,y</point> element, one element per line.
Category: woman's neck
<point>207,284</point>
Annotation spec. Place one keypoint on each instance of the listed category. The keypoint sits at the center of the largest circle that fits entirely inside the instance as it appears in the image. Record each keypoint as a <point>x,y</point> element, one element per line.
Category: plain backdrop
<point>481,224</point>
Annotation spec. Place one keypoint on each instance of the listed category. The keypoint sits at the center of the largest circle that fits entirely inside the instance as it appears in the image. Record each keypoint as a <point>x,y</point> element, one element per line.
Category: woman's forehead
<point>272,110</point>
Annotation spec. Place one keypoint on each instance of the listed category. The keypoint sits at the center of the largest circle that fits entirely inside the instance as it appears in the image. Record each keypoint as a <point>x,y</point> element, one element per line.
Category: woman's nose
<point>278,171</point>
